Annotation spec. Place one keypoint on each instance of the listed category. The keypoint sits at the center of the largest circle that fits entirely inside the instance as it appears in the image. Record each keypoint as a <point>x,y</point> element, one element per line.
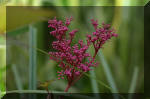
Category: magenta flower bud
<point>94,33</point>
<point>95,23</point>
<point>73,57</point>
<point>68,20</point>
<point>77,73</point>
<point>68,72</point>
<point>94,39</point>
<point>89,37</point>
<point>114,34</point>
<point>72,33</point>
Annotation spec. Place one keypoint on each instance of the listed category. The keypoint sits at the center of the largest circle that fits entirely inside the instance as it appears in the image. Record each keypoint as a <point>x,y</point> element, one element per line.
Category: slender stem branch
<point>67,88</point>
<point>49,94</point>
<point>73,82</point>
<point>76,79</point>
<point>95,54</point>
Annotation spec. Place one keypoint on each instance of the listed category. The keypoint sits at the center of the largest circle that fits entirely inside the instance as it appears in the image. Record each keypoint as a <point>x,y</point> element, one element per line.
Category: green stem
<point>67,88</point>
<point>94,84</point>
<point>108,73</point>
<point>30,91</point>
<point>44,91</point>
<point>32,58</point>
<point>100,82</point>
<point>133,82</point>
<point>17,77</point>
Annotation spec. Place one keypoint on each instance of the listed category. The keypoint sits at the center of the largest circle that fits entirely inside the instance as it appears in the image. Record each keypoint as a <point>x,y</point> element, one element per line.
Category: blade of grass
<point>133,82</point>
<point>2,66</point>
<point>134,79</point>
<point>44,91</point>
<point>33,91</point>
<point>93,81</point>
<point>94,85</point>
<point>17,77</point>
<point>17,31</point>
<point>0,94</point>
<point>98,81</point>
<point>32,58</point>
<point>108,74</point>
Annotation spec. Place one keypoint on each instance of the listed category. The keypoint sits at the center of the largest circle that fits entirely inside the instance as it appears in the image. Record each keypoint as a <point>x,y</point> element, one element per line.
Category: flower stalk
<point>74,60</point>
<point>67,88</point>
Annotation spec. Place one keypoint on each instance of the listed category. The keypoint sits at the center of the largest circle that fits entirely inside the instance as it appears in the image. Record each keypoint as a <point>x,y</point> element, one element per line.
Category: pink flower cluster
<point>100,35</point>
<point>74,60</point>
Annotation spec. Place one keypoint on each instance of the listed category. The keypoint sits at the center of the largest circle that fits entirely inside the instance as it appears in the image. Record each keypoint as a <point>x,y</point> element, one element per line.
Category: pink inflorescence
<point>74,59</point>
<point>100,35</point>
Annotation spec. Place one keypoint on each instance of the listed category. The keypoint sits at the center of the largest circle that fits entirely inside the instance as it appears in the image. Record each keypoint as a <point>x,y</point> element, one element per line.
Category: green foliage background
<point>124,55</point>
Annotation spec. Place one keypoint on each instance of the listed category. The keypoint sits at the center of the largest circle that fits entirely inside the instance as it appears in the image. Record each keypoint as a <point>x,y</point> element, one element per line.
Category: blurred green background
<point>121,68</point>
